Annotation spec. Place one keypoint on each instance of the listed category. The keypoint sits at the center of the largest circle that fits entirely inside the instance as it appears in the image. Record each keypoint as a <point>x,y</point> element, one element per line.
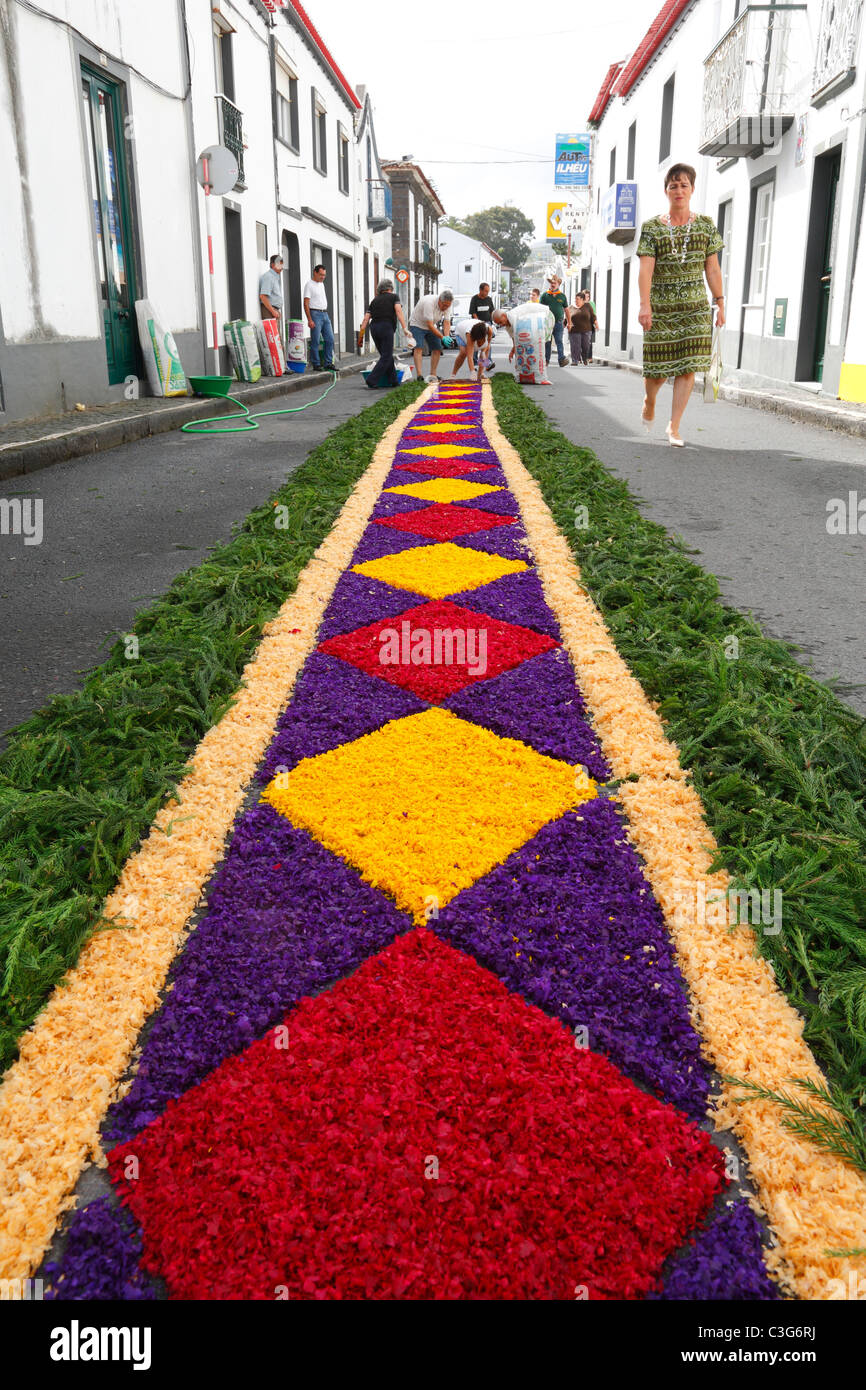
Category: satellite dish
<point>222,169</point>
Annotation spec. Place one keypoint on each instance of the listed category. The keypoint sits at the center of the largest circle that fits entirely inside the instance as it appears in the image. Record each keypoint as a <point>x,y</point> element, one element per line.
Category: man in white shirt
<point>316,310</point>
<point>423,325</point>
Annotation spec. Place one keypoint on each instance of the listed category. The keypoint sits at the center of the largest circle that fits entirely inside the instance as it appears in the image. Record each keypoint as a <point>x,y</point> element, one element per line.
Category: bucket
<point>211,385</point>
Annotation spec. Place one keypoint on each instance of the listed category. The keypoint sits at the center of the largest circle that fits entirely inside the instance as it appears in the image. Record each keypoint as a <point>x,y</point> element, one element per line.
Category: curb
<point>829,417</point>
<point>19,459</point>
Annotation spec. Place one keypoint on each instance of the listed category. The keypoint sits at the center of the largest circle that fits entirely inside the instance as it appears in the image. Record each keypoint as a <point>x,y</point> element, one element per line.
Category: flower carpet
<point>431,1035</point>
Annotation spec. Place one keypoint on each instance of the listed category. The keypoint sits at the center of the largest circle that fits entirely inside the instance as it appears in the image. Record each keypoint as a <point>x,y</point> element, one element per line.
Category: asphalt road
<point>750,493</point>
<point>119,526</point>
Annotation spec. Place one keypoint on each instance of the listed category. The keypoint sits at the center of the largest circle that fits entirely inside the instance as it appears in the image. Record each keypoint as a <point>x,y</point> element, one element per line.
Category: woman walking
<point>678,250</point>
<point>383,314</point>
<point>581,321</point>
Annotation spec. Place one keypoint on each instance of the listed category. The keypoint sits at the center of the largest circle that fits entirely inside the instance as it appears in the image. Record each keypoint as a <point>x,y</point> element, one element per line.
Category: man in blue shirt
<point>271,289</point>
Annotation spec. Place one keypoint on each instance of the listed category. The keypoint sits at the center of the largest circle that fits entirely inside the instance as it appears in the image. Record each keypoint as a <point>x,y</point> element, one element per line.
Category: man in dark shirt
<point>481,305</point>
<point>557,304</point>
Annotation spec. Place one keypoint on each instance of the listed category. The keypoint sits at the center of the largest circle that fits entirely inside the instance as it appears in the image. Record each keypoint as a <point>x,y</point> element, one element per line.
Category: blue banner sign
<point>572,161</point>
<point>619,212</point>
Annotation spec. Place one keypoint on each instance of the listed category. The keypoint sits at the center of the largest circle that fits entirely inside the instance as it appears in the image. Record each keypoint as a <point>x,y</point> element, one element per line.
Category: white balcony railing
<point>836,49</point>
<point>751,78</point>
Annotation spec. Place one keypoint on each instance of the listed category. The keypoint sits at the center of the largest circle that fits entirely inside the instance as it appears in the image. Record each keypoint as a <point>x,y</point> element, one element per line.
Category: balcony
<point>379,208</point>
<point>429,260</point>
<point>751,80</point>
<point>232,134</point>
<point>836,49</point>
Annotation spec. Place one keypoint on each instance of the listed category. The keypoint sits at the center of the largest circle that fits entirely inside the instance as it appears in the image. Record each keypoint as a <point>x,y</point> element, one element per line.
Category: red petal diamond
<point>442,521</point>
<point>445,468</point>
<point>479,648</point>
<point>427,1134</point>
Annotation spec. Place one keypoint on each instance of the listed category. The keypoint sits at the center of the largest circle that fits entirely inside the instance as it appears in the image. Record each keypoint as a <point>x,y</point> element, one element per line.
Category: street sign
<point>402,276</point>
<point>619,212</point>
<point>572,161</point>
<point>222,170</point>
<point>564,220</point>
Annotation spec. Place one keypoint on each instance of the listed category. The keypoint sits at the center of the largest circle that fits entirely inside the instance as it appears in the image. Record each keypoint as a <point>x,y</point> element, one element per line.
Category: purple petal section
<point>722,1261</point>
<point>590,948</point>
<point>538,703</point>
<point>511,542</point>
<point>285,919</point>
<point>358,600</point>
<point>500,502</point>
<point>516,598</point>
<point>378,541</point>
<point>390,503</point>
<point>101,1257</point>
<point>334,703</point>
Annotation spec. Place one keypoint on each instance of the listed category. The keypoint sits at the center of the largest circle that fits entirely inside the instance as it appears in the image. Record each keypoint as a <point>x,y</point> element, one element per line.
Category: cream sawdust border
<point>813,1201</point>
<point>55,1096</point>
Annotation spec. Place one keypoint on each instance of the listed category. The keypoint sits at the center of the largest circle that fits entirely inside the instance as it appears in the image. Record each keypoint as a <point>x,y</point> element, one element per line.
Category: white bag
<point>243,351</point>
<point>165,375</point>
<point>713,377</point>
<point>533,325</point>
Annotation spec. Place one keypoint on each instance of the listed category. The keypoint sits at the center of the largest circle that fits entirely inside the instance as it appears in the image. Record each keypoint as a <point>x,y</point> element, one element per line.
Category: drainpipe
<point>192,155</point>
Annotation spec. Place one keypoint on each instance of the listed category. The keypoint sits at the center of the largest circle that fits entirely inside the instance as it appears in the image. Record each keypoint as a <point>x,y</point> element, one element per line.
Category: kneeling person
<point>471,335</point>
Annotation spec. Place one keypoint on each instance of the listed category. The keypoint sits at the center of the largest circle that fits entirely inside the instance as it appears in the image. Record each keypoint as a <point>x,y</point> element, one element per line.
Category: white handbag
<point>713,377</point>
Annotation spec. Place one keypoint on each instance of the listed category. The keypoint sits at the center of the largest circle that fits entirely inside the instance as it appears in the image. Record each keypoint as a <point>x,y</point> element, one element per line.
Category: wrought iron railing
<point>750,79</point>
<point>836,49</point>
<point>379,204</point>
<point>231,126</point>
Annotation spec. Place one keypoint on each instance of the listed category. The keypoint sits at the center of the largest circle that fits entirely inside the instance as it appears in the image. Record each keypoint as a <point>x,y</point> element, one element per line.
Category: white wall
<point>684,56</point>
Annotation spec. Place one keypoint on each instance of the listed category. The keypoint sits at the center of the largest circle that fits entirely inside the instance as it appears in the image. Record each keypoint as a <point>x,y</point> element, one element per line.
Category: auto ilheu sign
<point>572,161</point>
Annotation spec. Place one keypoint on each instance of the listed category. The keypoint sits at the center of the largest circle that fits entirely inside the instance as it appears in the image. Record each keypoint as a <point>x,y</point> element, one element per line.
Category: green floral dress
<point>681,337</point>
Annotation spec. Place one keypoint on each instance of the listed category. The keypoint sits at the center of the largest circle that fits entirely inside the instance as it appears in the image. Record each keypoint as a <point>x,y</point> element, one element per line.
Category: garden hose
<point>248,417</point>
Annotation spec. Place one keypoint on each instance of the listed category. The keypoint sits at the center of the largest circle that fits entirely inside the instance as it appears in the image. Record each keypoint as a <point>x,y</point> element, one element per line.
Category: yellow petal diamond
<point>440,427</point>
<point>444,489</point>
<point>426,805</point>
<point>439,570</point>
<point>446,451</point>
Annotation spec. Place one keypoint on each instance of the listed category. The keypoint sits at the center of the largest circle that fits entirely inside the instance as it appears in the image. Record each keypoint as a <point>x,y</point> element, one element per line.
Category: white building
<point>467,263</point>
<point>100,205</point>
<point>767,103</point>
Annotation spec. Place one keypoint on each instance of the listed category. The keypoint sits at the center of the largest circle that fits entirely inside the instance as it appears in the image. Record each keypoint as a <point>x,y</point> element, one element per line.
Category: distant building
<point>766,102</point>
<point>415,233</point>
<point>467,263</point>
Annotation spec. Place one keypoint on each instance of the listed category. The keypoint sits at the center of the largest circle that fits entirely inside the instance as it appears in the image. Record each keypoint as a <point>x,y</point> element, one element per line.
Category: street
<point>749,493</point>
<point>119,526</point>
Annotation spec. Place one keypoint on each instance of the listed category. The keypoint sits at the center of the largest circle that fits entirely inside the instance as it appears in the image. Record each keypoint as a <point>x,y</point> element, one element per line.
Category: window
<point>612,178</point>
<point>632,139</point>
<point>287,107</point>
<point>343,164</point>
<point>223,62</point>
<point>468,268</point>
<point>320,134</point>
<point>723,222</point>
<point>761,243</point>
<point>261,241</point>
<point>667,120</point>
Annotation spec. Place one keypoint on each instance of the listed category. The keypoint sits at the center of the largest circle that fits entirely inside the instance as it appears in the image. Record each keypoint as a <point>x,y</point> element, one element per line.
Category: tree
<point>504,229</point>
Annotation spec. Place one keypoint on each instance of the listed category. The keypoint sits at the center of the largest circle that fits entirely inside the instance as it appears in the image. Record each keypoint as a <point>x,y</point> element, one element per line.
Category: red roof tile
<point>604,92</point>
<point>324,51</point>
<point>667,17</point>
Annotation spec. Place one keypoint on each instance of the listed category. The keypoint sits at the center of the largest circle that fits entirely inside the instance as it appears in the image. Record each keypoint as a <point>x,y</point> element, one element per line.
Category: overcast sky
<point>537,70</point>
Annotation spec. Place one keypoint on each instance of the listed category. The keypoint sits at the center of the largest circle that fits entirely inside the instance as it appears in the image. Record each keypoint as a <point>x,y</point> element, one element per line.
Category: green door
<point>826,269</point>
<point>111,221</point>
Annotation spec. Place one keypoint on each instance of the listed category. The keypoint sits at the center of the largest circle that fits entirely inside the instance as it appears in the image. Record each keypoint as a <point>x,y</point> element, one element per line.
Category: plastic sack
<point>296,347</point>
<point>165,375</point>
<point>713,377</point>
<point>270,347</point>
<point>243,351</point>
<point>533,325</point>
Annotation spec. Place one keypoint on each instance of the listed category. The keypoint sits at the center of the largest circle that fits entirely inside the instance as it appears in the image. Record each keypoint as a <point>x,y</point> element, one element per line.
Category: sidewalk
<point>27,445</point>
<point>797,403</point>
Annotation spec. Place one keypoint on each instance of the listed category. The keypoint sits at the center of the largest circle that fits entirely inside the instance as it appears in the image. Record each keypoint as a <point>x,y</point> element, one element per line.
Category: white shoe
<point>674,439</point>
